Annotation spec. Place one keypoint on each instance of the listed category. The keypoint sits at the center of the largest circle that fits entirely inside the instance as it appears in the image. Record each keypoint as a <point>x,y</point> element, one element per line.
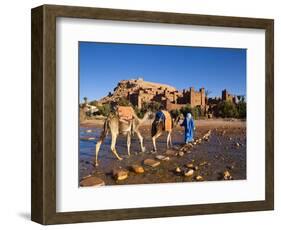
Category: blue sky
<point>103,65</point>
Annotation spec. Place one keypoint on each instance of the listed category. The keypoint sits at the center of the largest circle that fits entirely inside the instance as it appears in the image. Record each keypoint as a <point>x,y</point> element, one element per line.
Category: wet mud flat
<point>220,156</point>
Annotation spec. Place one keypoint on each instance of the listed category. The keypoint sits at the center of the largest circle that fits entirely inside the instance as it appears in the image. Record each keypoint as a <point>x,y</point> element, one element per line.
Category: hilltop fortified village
<point>138,92</point>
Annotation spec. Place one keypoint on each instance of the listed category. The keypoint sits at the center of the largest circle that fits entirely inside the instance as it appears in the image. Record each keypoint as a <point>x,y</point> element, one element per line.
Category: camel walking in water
<point>116,126</point>
<point>159,127</point>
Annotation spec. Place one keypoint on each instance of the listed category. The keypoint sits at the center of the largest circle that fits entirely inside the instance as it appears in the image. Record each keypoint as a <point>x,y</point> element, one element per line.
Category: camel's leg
<point>158,134</point>
<point>141,141</point>
<point>171,144</point>
<point>113,143</point>
<point>100,141</point>
<point>168,139</point>
<point>129,142</point>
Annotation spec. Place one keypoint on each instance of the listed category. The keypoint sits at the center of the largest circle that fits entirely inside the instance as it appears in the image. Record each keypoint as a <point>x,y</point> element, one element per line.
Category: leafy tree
<point>153,106</point>
<point>195,111</point>
<point>226,109</point>
<point>104,109</point>
<point>242,109</point>
<point>123,102</point>
<point>175,113</point>
<point>186,109</point>
<point>85,100</point>
<point>94,103</point>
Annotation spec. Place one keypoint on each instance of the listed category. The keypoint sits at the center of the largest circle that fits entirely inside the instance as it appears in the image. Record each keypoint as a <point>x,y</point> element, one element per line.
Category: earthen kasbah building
<point>138,92</point>
<point>169,97</point>
<point>226,96</point>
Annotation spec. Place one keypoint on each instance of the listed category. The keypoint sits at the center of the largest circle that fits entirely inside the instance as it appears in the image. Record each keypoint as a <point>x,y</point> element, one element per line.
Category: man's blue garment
<point>159,116</point>
<point>188,125</point>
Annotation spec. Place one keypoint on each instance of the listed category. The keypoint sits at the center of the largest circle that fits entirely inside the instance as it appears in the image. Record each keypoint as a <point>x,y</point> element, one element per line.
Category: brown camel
<point>118,126</point>
<point>158,128</point>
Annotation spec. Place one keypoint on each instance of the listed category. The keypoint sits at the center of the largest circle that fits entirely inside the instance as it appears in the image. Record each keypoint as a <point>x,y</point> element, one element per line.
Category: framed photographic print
<point>141,114</point>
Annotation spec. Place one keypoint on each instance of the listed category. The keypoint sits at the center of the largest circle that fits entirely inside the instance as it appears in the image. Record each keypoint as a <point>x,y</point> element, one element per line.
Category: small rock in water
<point>192,166</point>
<point>120,174</point>
<point>189,173</point>
<point>160,157</point>
<point>152,163</point>
<point>178,170</point>
<point>171,152</point>
<point>88,131</point>
<point>199,178</point>
<point>91,181</point>
<point>237,145</point>
<point>181,153</point>
<point>227,176</point>
<point>137,169</point>
<point>203,163</point>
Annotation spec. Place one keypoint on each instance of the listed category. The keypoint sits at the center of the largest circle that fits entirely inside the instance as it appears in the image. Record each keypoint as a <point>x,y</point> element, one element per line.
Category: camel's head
<point>150,115</point>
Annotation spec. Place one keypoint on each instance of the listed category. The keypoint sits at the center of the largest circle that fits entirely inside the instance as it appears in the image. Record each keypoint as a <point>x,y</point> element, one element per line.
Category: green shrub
<point>195,111</point>
<point>104,109</point>
<point>226,109</point>
<point>242,109</point>
<point>175,113</point>
<point>123,102</point>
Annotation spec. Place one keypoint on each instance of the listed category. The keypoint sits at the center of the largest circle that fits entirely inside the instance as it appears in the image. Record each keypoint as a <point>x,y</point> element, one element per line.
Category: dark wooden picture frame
<point>43,197</point>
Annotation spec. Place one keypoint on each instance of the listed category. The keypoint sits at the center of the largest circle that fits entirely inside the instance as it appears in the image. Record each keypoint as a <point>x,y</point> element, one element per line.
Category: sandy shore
<point>224,151</point>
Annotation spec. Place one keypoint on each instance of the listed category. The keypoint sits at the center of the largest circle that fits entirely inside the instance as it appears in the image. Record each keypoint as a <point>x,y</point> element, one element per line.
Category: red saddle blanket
<point>125,112</point>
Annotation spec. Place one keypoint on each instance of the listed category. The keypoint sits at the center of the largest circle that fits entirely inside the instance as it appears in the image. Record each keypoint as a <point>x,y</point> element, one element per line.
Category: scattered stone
<point>171,152</point>
<point>178,170</point>
<point>162,158</point>
<point>207,135</point>
<point>120,174</point>
<point>230,167</point>
<point>189,173</point>
<point>91,181</point>
<point>227,176</point>
<point>199,178</point>
<point>152,163</point>
<point>88,131</point>
<point>192,166</point>
<point>87,138</point>
<point>137,169</point>
<point>181,153</point>
<point>237,145</point>
<point>203,163</point>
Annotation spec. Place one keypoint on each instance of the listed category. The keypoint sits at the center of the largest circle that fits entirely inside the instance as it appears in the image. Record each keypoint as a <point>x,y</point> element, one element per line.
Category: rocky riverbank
<point>218,153</point>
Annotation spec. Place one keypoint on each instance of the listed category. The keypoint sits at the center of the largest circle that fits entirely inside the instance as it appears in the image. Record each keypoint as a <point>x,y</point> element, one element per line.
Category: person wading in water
<point>189,127</point>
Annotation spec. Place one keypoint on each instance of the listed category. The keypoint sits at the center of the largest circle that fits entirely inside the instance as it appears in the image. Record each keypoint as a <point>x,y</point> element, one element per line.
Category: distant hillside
<point>133,85</point>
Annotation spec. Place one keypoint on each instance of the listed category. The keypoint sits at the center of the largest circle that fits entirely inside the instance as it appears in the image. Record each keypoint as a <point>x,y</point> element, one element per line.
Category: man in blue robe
<point>189,127</point>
